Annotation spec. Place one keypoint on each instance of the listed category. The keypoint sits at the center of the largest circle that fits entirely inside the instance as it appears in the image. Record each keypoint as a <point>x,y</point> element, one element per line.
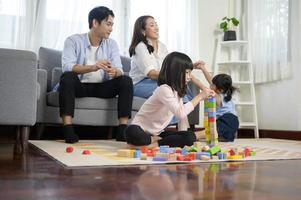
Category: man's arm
<point>115,67</point>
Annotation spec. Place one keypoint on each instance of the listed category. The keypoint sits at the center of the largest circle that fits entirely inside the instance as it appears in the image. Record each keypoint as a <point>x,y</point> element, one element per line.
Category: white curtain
<point>34,23</point>
<point>268,34</point>
<point>17,19</point>
<point>29,24</point>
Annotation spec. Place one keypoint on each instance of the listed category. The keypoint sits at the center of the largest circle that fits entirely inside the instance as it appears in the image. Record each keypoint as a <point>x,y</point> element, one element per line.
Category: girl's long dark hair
<point>224,82</point>
<point>173,71</point>
<point>138,36</point>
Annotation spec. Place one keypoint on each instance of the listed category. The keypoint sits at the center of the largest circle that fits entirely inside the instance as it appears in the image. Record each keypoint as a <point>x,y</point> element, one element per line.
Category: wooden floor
<point>33,175</point>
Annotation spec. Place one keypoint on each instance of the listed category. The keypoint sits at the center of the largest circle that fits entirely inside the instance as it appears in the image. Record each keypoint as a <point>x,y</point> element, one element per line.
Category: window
<point>10,13</point>
<point>50,22</point>
<point>268,32</point>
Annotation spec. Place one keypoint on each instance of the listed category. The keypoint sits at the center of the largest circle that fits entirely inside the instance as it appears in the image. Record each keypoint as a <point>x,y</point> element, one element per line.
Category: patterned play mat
<point>104,152</point>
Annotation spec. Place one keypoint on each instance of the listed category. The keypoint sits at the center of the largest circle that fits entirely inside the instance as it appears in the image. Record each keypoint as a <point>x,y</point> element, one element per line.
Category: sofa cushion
<point>93,103</point>
<point>126,64</point>
<point>49,59</point>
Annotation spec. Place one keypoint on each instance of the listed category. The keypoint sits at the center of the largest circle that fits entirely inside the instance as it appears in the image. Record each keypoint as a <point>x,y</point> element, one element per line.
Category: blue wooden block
<point>184,152</point>
<point>212,100</point>
<point>220,155</point>
<point>137,153</point>
<point>212,114</point>
<point>159,159</point>
<point>199,154</point>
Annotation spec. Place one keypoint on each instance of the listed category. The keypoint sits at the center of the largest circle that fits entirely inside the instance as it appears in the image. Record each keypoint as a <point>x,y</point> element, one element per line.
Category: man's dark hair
<point>173,71</point>
<point>99,13</point>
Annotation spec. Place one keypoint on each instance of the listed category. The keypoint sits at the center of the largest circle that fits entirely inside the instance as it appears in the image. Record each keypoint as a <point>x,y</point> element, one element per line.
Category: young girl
<point>147,128</point>
<point>227,121</point>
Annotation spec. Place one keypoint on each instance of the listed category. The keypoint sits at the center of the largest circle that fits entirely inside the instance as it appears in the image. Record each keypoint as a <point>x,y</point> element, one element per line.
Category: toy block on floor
<point>215,149</point>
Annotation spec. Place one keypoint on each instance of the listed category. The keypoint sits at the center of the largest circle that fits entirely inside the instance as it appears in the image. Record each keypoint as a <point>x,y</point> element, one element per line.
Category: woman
<point>147,54</point>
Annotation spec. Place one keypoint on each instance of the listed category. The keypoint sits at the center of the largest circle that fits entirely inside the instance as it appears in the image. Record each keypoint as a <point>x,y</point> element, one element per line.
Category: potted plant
<point>228,26</point>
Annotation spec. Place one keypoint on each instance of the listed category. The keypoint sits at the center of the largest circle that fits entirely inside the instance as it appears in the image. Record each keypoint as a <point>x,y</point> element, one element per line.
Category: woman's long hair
<point>138,36</point>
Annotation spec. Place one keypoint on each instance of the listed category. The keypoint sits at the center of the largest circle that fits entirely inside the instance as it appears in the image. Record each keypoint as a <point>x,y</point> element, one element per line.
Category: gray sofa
<point>88,110</point>
<point>18,92</point>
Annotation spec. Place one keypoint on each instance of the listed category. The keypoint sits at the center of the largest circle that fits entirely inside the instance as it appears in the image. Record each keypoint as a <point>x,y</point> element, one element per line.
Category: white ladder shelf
<point>233,58</point>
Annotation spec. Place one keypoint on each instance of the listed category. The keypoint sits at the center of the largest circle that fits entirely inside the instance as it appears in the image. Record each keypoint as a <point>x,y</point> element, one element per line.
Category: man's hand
<point>101,64</point>
<point>113,72</point>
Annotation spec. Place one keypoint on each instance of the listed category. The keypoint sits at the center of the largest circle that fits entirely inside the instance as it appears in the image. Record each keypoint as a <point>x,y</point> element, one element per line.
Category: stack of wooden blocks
<point>210,121</point>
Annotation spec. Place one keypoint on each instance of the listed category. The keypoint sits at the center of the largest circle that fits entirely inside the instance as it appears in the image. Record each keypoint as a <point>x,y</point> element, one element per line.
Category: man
<point>92,68</point>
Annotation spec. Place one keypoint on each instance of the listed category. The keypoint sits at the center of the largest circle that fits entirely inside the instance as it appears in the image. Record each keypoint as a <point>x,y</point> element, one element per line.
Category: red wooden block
<point>232,152</point>
<point>144,149</point>
<point>69,149</point>
<point>211,119</point>
<point>187,158</point>
<point>86,152</point>
<point>191,155</point>
<point>150,153</point>
<point>247,152</point>
<point>178,150</point>
<point>180,157</point>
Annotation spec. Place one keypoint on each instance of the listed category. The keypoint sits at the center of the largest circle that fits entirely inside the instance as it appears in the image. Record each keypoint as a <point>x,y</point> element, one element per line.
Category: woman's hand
<point>199,65</point>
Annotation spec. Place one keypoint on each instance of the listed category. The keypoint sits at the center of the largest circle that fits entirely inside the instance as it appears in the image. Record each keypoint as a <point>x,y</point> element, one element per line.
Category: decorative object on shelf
<point>228,26</point>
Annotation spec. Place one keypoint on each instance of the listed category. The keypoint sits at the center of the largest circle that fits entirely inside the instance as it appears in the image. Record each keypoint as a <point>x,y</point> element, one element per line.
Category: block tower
<point>210,121</point>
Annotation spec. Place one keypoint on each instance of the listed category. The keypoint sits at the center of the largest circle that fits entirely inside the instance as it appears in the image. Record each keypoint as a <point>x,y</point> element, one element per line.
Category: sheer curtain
<point>268,34</point>
<point>29,24</point>
<point>178,22</point>
<point>17,19</point>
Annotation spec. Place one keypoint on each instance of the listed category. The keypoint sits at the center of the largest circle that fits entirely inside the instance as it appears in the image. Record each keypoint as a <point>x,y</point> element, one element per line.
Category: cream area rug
<point>104,152</point>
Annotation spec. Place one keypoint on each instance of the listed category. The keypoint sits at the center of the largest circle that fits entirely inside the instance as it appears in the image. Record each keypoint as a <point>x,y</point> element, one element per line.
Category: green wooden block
<point>193,149</point>
<point>215,149</point>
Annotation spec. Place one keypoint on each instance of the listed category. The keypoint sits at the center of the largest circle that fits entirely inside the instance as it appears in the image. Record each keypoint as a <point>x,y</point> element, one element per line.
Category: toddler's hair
<point>224,82</point>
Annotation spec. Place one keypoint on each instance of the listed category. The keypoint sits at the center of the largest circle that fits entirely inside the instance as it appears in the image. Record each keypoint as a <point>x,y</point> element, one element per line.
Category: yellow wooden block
<point>124,152</point>
<point>143,156</point>
<point>234,157</point>
<point>212,109</point>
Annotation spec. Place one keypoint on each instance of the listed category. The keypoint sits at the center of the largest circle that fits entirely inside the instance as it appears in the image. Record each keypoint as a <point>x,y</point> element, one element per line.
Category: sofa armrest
<point>18,87</point>
<point>56,75</point>
<point>41,104</point>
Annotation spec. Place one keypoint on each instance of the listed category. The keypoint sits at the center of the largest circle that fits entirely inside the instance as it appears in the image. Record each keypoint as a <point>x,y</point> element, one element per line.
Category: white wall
<point>210,14</point>
<point>278,103</point>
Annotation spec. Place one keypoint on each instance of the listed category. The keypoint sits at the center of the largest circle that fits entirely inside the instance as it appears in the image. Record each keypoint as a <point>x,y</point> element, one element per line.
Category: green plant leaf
<point>234,21</point>
<point>224,26</point>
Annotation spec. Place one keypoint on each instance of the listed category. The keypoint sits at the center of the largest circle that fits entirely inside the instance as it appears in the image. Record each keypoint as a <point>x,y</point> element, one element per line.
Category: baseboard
<point>264,133</point>
<point>7,133</point>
